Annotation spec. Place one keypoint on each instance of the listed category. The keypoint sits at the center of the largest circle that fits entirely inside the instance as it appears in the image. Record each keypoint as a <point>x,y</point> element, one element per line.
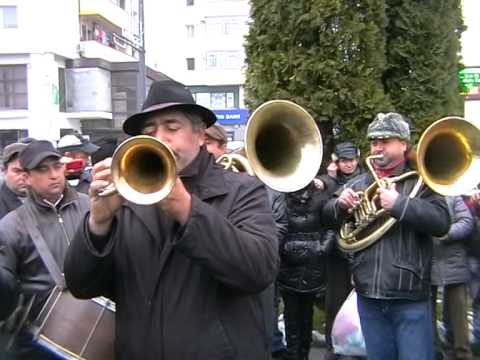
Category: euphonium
<point>283,146</point>
<point>448,162</point>
<point>143,170</point>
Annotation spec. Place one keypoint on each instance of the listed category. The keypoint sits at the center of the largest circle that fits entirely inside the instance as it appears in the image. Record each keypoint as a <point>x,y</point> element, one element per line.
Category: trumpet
<point>143,170</point>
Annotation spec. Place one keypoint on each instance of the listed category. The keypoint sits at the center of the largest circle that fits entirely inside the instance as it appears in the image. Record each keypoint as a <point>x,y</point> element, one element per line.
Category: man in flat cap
<point>14,189</point>
<point>54,211</point>
<point>188,272</point>
<point>77,150</point>
<point>343,168</point>
<point>392,275</point>
<point>216,140</point>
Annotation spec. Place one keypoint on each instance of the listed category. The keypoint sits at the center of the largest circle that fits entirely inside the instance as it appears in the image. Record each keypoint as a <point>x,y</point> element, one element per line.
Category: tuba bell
<point>447,161</point>
<point>143,170</point>
<point>283,146</point>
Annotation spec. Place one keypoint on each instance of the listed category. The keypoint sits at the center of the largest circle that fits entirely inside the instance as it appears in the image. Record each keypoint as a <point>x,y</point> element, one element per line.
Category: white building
<point>200,43</point>
<point>66,65</point>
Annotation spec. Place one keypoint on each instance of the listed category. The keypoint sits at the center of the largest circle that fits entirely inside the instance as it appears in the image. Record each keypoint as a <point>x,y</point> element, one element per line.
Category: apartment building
<point>200,43</point>
<point>67,65</point>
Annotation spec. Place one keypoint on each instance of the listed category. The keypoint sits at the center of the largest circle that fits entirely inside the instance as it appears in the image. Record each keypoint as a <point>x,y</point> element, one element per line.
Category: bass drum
<point>71,328</point>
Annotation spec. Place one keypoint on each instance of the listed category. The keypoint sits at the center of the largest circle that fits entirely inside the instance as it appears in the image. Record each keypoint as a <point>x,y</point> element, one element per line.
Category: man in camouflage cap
<point>389,135</point>
<point>392,275</point>
<point>390,125</point>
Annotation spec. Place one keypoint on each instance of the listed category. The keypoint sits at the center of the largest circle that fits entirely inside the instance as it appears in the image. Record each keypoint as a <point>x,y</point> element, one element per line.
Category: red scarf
<point>386,172</point>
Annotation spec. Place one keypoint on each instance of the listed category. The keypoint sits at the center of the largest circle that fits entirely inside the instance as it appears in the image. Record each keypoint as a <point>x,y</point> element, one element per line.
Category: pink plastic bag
<point>347,337</point>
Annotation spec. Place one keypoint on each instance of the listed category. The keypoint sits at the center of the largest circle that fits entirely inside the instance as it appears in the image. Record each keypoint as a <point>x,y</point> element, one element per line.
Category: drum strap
<point>43,249</point>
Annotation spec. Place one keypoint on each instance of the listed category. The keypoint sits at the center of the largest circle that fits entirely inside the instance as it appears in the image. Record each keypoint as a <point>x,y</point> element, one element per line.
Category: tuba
<point>143,170</point>
<point>283,147</point>
<point>448,162</point>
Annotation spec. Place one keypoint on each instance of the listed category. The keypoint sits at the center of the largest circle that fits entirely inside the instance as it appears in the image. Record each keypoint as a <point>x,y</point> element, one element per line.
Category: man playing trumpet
<point>186,273</point>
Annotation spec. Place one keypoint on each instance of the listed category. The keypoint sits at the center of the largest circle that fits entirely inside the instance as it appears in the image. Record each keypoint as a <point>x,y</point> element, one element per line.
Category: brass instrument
<point>283,146</point>
<point>448,162</point>
<point>143,170</point>
<point>237,162</point>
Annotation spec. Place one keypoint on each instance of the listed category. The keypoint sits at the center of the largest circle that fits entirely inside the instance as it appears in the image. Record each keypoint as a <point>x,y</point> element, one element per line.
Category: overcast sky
<point>471,37</point>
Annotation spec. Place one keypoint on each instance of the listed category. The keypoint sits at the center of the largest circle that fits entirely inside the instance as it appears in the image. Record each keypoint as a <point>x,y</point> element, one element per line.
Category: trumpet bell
<point>448,156</point>
<point>283,145</point>
<point>143,170</point>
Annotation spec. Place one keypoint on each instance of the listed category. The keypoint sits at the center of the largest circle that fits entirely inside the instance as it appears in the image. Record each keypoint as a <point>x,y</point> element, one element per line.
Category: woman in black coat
<point>302,268</point>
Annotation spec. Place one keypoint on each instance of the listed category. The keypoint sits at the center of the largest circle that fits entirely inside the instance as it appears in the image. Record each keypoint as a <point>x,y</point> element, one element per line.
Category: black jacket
<point>398,265</point>
<point>8,200</point>
<point>191,292</point>
<point>279,211</point>
<point>303,250</point>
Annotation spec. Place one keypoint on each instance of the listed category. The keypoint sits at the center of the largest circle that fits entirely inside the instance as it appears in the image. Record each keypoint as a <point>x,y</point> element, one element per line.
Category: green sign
<point>470,80</point>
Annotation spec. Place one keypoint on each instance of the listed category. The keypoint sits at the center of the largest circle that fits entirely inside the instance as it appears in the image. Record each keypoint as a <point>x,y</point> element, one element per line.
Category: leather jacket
<point>398,265</point>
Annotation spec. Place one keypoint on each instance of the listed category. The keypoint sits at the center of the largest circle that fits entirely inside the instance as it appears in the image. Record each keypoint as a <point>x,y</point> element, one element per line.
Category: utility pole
<point>141,83</point>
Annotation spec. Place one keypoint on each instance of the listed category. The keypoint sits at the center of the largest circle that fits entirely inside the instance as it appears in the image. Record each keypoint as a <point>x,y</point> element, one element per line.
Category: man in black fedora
<point>187,273</point>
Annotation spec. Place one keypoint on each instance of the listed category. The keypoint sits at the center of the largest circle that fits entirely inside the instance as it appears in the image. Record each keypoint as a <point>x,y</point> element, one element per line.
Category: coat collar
<point>69,195</point>
<point>202,177</point>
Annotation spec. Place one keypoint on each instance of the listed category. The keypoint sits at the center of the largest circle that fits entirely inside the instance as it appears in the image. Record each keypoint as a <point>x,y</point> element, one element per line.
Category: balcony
<point>107,10</point>
<point>93,49</point>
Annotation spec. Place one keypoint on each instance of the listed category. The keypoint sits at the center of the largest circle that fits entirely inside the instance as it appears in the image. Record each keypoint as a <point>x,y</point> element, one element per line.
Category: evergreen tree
<point>326,55</point>
<point>422,52</point>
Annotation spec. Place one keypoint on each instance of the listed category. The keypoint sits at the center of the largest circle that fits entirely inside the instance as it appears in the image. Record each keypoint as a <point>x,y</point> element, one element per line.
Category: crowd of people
<point>206,272</point>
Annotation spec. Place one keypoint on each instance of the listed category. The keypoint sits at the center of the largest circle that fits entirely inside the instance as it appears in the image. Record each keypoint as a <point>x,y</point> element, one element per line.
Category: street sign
<point>232,116</point>
<point>470,80</point>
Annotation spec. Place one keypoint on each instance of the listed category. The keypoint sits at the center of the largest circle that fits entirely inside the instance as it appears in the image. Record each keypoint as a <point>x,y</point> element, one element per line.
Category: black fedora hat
<point>167,94</point>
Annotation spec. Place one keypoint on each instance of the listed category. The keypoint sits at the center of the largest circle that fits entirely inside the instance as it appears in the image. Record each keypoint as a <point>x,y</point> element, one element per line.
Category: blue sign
<point>232,116</point>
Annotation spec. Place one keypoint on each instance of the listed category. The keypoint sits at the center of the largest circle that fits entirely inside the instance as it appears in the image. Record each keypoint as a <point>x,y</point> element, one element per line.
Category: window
<point>13,87</point>
<point>190,31</point>
<point>212,60</point>
<point>230,100</point>
<point>215,100</point>
<point>12,136</point>
<point>8,17</point>
<point>190,2</point>
<point>119,3</point>
<point>224,60</point>
<point>190,63</point>
<point>203,99</point>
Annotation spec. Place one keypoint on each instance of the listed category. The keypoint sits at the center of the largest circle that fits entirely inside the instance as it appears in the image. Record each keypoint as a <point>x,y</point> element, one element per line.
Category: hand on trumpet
<point>178,203</point>
<point>348,199</point>
<point>388,195</point>
<point>102,208</point>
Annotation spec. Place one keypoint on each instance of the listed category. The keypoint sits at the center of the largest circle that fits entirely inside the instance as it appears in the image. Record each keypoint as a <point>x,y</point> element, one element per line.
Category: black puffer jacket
<point>302,266</point>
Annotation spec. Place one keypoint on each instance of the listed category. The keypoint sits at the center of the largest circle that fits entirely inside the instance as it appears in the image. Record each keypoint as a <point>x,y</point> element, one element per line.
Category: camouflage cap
<point>390,125</point>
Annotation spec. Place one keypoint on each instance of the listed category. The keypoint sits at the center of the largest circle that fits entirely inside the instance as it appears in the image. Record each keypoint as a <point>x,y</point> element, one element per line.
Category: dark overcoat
<point>186,292</point>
